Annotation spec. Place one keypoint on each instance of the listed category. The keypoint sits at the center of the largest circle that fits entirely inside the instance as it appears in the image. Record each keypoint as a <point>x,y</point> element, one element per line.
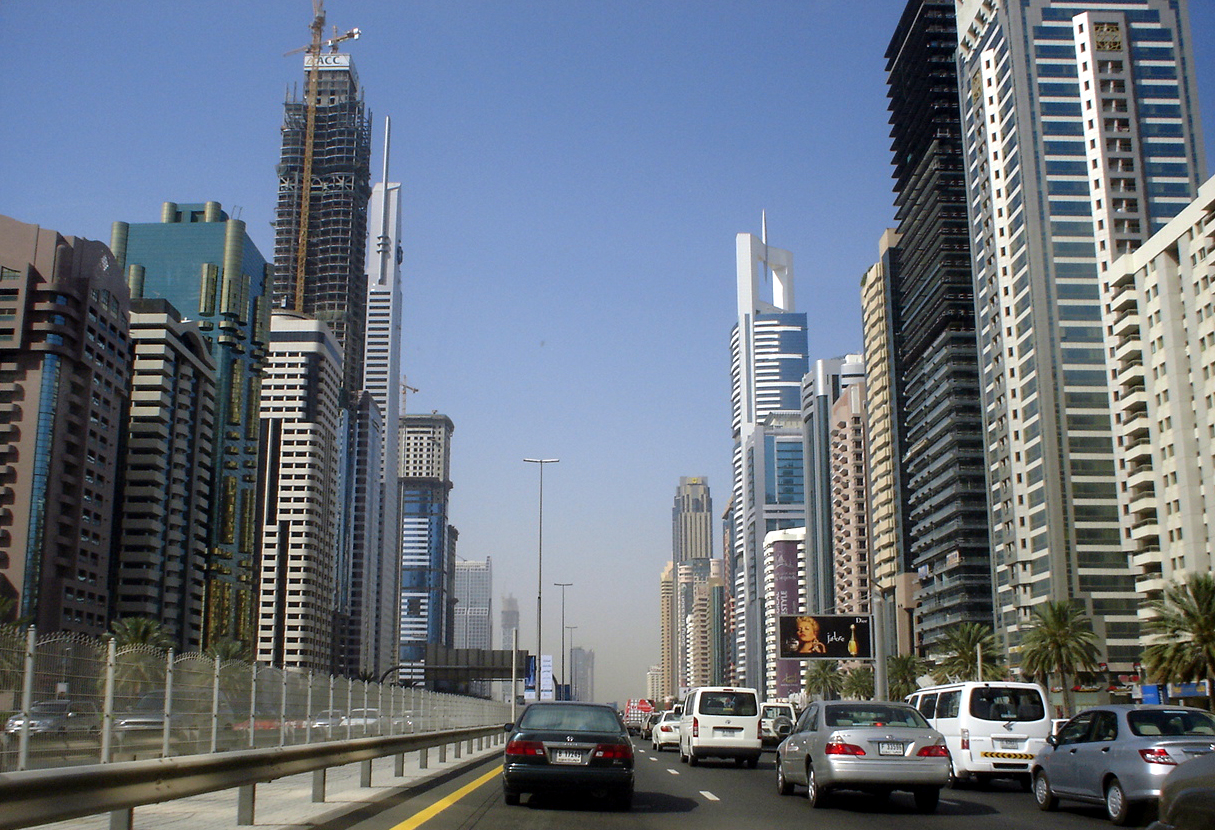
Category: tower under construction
<point>326,142</point>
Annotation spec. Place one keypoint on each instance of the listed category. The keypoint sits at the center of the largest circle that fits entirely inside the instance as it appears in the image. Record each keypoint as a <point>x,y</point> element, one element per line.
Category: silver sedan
<point>874,746</point>
<point>1119,755</point>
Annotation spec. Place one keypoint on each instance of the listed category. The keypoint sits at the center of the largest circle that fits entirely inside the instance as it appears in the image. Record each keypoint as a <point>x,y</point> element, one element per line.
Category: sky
<point>574,174</point>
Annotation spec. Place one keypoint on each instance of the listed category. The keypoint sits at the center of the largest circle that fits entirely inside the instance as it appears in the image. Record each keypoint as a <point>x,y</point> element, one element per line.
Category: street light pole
<point>540,568</point>
<point>563,586</point>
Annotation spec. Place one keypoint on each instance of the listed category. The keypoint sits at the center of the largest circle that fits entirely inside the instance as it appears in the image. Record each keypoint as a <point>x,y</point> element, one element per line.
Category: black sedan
<point>569,747</point>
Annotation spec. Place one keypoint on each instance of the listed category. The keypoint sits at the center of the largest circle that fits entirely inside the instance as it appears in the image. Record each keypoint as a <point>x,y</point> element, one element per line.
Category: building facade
<point>64,371</point>
<point>474,583</point>
<point>168,468</point>
<point>1081,138</point>
<point>302,441</point>
<point>206,265</point>
<point>850,502</point>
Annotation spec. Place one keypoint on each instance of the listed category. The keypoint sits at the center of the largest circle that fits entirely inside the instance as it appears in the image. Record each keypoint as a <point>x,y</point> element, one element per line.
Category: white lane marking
<point>709,795</point>
<point>673,771</point>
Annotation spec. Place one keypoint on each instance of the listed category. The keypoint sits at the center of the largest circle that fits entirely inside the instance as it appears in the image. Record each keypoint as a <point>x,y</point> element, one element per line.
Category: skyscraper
<point>428,541</point>
<point>692,549</point>
<point>332,284</point>
<point>206,265</point>
<point>931,337</point>
<point>474,583</point>
<point>301,447</point>
<point>692,520</point>
<point>768,360</point>
<point>64,363</point>
<point>1081,138</point>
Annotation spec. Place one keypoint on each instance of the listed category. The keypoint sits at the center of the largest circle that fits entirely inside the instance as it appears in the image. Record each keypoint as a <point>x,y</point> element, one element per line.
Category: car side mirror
<point>1053,740</point>
<point>782,727</point>
<point>508,728</point>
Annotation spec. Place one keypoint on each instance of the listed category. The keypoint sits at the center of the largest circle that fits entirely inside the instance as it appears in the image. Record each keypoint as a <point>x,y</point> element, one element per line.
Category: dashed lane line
<point>673,771</point>
<point>708,795</point>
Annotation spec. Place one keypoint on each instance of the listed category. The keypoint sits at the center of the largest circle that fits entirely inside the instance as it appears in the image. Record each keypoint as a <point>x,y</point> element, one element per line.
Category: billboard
<point>825,637</point>
<point>786,584</point>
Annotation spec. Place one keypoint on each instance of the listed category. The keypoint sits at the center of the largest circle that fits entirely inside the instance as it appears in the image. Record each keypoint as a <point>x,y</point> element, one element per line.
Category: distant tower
<point>692,520</point>
<point>334,284</point>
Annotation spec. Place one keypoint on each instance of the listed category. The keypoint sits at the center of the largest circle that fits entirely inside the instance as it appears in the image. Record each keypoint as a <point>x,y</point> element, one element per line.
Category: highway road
<point>711,796</point>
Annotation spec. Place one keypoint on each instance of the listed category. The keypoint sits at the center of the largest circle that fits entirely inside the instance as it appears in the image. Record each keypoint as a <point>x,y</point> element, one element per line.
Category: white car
<point>665,731</point>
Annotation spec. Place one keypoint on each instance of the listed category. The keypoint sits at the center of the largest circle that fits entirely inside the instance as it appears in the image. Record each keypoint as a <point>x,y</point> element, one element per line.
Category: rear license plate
<point>726,732</point>
<point>567,756</point>
<point>1009,744</point>
<point>890,748</point>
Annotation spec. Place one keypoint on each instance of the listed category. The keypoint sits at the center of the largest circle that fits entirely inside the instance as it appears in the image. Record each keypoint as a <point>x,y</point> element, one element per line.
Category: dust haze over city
<point>574,175</point>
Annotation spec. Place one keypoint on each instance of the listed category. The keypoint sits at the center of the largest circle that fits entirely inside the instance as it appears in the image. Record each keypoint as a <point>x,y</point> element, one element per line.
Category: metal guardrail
<point>34,797</point>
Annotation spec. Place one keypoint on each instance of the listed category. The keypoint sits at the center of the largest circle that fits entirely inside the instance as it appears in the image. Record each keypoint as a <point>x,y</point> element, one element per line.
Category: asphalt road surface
<point>712,796</point>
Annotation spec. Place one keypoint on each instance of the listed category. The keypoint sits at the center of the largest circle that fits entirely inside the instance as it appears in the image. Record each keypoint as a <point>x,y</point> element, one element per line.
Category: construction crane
<point>310,104</point>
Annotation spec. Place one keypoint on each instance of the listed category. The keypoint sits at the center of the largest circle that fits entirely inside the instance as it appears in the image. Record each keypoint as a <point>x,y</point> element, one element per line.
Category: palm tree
<point>858,683</point>
<point>141,631</point>
<point>1061,642</point>
<point>823,678</point>
<point>959,652</point>
<point>1183,624</point>
<point>226,649</point>
<point>903,673</point>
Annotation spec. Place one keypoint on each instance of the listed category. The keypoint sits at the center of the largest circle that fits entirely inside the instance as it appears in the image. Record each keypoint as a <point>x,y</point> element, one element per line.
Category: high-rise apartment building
<point>821,388</point>
<point>64,364</point>
<point>383,379</point>
<point>332,284</point>
<point>691,551</point>
<point>927,276</point>
<point>582,674</point>
<point>784,594</point>
<point>205,264</point>
<point>302,438</point>
<point>767,362</point>
<point>668,634</point>
<point>1081,138</point>
<point>1163,361</point>
<point>850,501</point>
<point>692,520</point>
<point>428,541</point>
<point>167,468</point>
<point>474,582</point>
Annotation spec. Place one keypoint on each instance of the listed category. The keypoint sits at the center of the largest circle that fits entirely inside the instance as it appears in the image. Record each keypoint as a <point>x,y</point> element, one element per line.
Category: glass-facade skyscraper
<point>207,267</point>
<point>1081,138</point>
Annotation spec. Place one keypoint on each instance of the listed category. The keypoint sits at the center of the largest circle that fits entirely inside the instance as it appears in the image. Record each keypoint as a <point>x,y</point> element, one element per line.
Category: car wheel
<point>926,799</point>
<point>753,761</point>
<point>1043,794</point>
<point>1117,806</point>
<point>510,797</point>
<point>956,782</point>
<point>692,759</point>
<point>683,759</point>
<point>783,785</point>
<point>814,792</point>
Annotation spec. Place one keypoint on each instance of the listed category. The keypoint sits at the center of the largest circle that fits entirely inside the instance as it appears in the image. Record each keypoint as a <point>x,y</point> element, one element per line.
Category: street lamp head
<point>542,460</point>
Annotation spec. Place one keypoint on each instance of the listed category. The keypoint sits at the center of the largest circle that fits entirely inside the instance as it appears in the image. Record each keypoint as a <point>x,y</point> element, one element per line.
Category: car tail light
<point>1157,755</point>
<point>525,748</point>
<point>695,728</point>
<point>613,752</point>
<point>965,739</point>
<point>840,748</point>
<point>934,751</point>
<point>666,727</point>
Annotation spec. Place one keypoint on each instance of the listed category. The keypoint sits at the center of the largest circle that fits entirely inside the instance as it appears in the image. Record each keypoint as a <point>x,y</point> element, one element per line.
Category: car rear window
<point>570,718</point>
<point>1170,723</point>
<point>999,704</point>
<point>728,703</point>
<point>873,715</point>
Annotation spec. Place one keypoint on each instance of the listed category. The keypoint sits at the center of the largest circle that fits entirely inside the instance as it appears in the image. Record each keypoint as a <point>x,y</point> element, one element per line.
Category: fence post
<point>164,738</point>
<point>308,722</point>
<point>252,710</point>
<point>27,699</point>
<point>246,800</point>
<point>111,659</point>
<point>282,711</point>
<point>215,707</point>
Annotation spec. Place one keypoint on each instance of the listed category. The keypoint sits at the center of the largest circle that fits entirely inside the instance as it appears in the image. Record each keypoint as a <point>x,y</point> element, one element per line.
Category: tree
<point>141,631</point>
<point>959,652</point>
<point>226,649</point>
<point>858,683</point>
<point>1183,627</point>
<point>823,678</point>
<point>1060,642</point>
<point>903,673</point>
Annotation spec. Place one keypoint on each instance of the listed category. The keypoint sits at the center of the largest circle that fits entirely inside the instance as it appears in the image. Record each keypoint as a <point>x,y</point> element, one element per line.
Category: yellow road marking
<point>443,803</point>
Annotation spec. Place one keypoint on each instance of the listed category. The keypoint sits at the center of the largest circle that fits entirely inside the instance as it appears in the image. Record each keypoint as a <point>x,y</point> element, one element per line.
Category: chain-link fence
<point>68,699</point>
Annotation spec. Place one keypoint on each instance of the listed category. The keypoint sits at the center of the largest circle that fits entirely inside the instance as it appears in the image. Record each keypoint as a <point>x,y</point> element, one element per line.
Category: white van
<point>993,729</point>
<point>720,722</point>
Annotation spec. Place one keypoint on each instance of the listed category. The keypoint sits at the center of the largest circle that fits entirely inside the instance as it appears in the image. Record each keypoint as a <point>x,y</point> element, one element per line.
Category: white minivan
<point>720,722</point>
<point>993,729</point>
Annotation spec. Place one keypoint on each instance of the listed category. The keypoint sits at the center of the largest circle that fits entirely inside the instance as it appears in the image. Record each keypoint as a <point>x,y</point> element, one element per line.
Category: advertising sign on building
<point>785,584</point>
<point>826,637</point>
<point>546,677</point>
<point>529,679</point>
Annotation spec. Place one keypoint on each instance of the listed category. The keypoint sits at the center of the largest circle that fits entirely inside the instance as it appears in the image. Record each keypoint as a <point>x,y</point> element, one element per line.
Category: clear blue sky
<point>574,173</point>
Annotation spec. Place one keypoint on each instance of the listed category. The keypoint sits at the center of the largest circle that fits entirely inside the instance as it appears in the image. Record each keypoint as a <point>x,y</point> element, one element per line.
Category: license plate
<point>890,748</point>
<point>1009,744</point>
<point>567,756</point>
<point>725,732</point>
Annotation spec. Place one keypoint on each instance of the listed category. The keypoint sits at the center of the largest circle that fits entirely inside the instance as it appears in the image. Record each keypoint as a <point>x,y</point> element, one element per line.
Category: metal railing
<point>69,700</point>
